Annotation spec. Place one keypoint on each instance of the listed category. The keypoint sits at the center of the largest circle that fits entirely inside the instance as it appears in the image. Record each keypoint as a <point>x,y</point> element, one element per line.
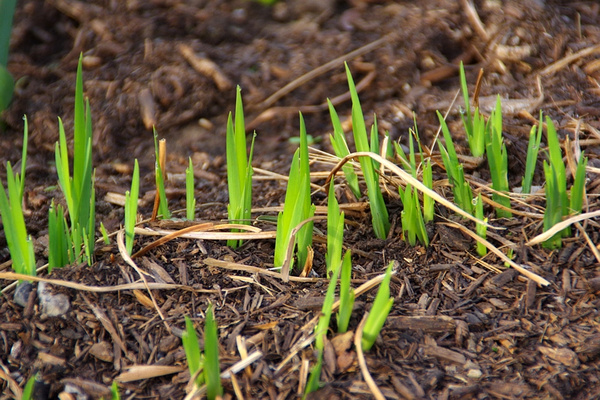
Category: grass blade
<point>212,372</point>
<point>379,311</point>
<point>346,294</point>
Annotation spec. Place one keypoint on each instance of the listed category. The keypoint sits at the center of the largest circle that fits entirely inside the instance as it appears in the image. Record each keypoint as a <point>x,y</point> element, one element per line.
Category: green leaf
<point>192,350</point>
<point>347,295</point>
<point>212,372</point>
<point>379,311</point>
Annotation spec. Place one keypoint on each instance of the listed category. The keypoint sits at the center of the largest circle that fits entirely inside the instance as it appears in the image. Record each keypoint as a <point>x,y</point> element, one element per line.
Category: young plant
<point>114,391</point>
<point>28,389</point>
<point>557,201</point>
<point>480,228</point>
<point>321,331</point>
<point>498,160</point>
<point>533,148</point>
<point>474,123</point>
<point>239,169</point>
<point>20,245</point>
<point>347,295</point>
<point>335,232</point>
<point>463,194</point>
<point>204,367</point>
<point>340,148</point>
<point>190,200</point>
<point>379,311</point>
<point>297,206</point>
<point>7,83</point>
<point>78,188</point>
<point>131,203</point>
<point>379,213</point>
<point>60,253</point>
<point>160,154</point>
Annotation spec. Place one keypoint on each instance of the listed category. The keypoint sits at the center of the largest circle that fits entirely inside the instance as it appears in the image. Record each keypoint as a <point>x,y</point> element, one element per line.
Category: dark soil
<point>461,326</point>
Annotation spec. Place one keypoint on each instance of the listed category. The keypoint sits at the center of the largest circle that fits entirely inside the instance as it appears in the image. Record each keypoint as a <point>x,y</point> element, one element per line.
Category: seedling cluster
<point>72,230</point>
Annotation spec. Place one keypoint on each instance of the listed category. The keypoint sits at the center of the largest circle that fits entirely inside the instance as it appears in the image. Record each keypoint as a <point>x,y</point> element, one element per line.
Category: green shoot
<point>578,188</point>
<point>462,191</point>
<point>114,391</point>
<point>557,201</point>
<point>480,228</point>
<point>239,168</point>
<point>104,233</point>
<point>335,231</point>
<point>191,346</point>
<point>379,213</point>
<point>474,123</point>
<point>28,389</point>
<point>78,188</point>
<point>59,250</point>
<point>131,203</point>
<point>340,148</point>
<point>379,311</point>
<point>7,83</point>
<point>190,200</point>
<point>428,203</point>
<point>212,372</point>
<point>160,160</point>
<point>533,148</point>
<point>297,206</point>
<point>321,331</point>
<point>346,294</point>
<point>20,245</point>
<point>498,160</point>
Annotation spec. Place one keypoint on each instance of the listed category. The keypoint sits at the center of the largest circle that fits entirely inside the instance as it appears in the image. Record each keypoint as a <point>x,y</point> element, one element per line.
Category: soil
<point>461,326</point>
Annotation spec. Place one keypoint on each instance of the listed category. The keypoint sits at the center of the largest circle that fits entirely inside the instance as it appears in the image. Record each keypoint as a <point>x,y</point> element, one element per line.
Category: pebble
<point>53,305</point>
<point>22,292</point>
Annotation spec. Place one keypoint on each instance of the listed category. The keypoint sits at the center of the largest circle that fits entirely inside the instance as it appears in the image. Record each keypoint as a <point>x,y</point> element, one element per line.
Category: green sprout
<point>480,228</point>
<point>28,389</point>
<point>205,367</point>
<point>413,222</point>
<point>474,123</point>
<point>335,231</point>
<point>7,83</point>
<point>190,200</point>
<point>20,245</point>
<point>60,253</point>
<point>104,233</point>
<point>347,295</point>
<point>379,311</point>
<point>78,188</point>
<point>340,148</point>
<point>163,205</point>
<point>498,160</point>
<point>321,331</point>
<point>533,148</point>
<point>239,169</point>
<point>131,204</point>
<point>297,206</point>
<point>379,213</point>
<point>114,391</point>
<point>462,191</point>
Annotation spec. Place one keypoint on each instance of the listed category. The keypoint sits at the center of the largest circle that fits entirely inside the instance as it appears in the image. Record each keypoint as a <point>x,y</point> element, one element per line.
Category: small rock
<point>53,305</point>
<point>22,292</point>
<point>474,374</point>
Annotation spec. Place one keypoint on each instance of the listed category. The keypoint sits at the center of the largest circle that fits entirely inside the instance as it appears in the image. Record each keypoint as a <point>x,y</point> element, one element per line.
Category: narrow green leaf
<point>379,311</point>
<point>192,350</point>
<point>346,294</point>
<point>212,372</point>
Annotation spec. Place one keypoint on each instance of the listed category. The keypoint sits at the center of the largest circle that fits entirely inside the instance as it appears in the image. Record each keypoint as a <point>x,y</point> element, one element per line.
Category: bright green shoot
<point>533,148</point>
<point>239,168</point>
<point>20,245</point>
<point>195,359</point>
<point>379,311</point>
<point>78,188</point>
<point>557,201</point>
<point>212,372</point>
<point>321,331</point>
<point>480,228</point>
<point>335,231</point>
<point>340,148</point>
<point>347,295</point>
<point>205,367</point>
<point>498,160</point>
<point>7,83</point>
<point>163,205</point>
<point>297,206</point>
<point>463,194</point>
<point>131,204</point>
<point>28,389</point>
<point>474,123</point>
<point>59,251</point>
<point>379,213</point>
<point>578,188</point>
<point>114,391</point>
<point>190,200</point>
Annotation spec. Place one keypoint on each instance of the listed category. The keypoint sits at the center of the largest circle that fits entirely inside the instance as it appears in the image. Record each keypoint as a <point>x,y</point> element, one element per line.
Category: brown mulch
<point>461,326</point>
